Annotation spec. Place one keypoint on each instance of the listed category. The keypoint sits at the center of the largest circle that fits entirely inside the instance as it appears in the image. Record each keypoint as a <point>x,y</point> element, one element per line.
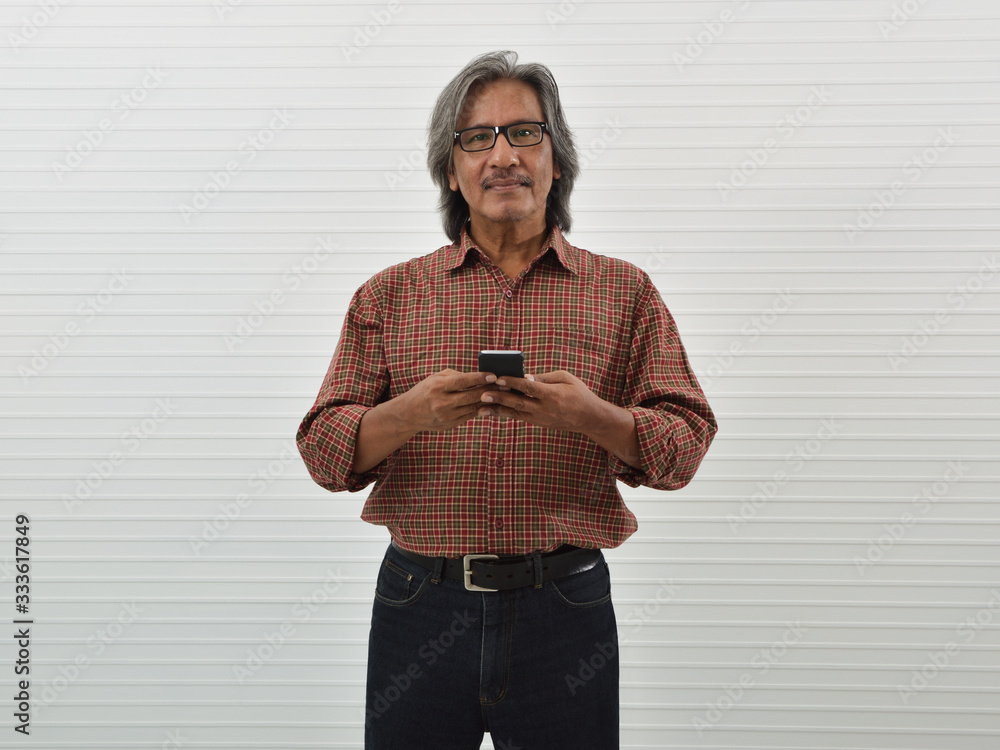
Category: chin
<point>509,211</point>
<point>505,217</point>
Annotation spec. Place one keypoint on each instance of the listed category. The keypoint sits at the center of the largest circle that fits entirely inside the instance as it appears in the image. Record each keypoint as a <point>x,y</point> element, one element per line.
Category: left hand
<point>558,400</point>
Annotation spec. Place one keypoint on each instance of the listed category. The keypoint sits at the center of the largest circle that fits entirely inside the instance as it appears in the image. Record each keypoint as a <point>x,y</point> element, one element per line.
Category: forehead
<point>500,103</point>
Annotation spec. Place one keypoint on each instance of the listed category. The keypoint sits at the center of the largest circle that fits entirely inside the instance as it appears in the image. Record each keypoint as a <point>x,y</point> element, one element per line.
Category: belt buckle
<point>467,571</point>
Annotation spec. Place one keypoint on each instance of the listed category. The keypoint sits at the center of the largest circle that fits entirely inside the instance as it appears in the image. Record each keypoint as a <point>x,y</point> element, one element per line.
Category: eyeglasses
<point>483,139</point>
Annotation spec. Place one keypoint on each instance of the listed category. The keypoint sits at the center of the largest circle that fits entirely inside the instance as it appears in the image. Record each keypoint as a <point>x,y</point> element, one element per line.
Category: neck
<point>508,244</point>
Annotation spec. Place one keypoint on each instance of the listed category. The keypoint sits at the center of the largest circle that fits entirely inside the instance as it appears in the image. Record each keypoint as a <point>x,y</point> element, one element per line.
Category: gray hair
<point>495,66</point>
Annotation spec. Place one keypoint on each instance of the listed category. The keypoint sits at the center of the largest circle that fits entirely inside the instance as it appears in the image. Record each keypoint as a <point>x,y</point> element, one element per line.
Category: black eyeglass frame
<point>497,129</point>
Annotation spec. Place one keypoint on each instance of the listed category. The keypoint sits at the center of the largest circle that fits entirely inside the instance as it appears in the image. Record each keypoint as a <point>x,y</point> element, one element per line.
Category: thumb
<point>556,376</point>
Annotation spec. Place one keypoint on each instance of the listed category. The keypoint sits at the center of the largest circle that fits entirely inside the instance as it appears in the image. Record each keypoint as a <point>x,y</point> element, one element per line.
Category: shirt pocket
<point>583,351</point>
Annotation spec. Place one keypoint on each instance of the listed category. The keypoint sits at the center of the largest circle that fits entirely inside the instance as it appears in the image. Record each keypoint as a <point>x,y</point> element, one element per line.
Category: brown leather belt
<point>493,573</point>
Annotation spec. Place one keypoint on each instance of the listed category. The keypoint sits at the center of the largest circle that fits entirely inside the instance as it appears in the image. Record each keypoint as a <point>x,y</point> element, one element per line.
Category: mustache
<point>505,175</point>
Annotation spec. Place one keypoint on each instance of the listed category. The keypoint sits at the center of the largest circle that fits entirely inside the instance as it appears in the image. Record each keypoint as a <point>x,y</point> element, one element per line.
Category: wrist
<point>614,429</point>
<point>603,421</point>
<point>395,415</point>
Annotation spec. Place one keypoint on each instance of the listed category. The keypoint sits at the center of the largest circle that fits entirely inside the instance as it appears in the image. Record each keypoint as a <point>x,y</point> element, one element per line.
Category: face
<point>505,185</point>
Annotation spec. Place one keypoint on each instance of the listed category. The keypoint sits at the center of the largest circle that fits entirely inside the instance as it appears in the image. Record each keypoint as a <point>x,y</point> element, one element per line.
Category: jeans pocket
<point>587,589</point>
<point>398,586</point>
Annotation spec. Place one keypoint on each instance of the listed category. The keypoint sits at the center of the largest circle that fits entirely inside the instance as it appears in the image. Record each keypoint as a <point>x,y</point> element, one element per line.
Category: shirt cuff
<point>669,447</point>
<point>626,473</point>
<point>327,449</point>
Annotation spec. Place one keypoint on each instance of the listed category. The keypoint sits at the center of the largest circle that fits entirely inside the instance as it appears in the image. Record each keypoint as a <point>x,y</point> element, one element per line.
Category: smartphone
<point>502,362</point>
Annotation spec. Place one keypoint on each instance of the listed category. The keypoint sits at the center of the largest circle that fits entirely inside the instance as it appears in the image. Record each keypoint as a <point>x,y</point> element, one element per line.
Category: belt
<point>493,573</point>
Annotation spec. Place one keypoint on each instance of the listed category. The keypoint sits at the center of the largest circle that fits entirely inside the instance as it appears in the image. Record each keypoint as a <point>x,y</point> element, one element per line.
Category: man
<point>468,466</point>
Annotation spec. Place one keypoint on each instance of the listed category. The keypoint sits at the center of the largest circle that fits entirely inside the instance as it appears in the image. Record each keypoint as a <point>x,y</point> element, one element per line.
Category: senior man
<point>492,606</point>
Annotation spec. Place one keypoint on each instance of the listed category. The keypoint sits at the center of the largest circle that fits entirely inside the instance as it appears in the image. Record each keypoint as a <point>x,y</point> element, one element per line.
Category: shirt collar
<point>567,254</point>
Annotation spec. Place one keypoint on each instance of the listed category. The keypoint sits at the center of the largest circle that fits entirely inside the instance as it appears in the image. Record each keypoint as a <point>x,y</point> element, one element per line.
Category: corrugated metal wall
<point>189,194</point>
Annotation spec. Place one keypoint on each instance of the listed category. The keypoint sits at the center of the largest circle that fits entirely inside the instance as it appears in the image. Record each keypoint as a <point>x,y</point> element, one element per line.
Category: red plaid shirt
<point>499,485</point>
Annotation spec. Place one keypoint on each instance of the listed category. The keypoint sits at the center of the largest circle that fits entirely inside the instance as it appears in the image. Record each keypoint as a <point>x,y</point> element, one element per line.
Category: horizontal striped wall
<point>191,191</point>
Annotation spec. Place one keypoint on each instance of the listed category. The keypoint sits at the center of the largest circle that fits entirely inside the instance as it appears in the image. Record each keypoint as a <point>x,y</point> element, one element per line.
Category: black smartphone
<point>502,362</point>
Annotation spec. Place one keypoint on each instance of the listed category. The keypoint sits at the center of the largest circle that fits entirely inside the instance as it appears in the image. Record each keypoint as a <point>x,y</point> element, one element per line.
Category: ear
<point>452,180</point>
<point>556,172</point>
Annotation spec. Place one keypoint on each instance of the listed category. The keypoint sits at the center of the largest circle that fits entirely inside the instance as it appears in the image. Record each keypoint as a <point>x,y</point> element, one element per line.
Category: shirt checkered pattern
<point>496,485</point>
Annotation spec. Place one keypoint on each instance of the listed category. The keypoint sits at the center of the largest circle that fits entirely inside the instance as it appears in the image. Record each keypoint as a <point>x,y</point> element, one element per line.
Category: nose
<point>503,155</point>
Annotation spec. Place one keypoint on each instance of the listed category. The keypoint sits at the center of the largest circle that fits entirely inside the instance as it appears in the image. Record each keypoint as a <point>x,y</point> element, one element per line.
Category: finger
<point>495,410</point>
<point>468,413</point>
<point>525,385</point>
<point>507,399</point>
<point>472,396</point>
<point>554,376</point>
<point>463,380</point>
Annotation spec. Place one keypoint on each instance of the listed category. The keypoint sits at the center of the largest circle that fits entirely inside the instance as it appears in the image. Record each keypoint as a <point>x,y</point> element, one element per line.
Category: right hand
<point>444,400</point>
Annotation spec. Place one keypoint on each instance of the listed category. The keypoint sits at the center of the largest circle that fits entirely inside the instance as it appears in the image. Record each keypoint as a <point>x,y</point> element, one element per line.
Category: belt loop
<point>536,558</point>
<point>438,567</point>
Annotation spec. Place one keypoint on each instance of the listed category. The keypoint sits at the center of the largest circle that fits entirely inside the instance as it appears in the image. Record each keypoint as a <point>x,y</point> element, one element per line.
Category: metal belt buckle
<point>467,571</point>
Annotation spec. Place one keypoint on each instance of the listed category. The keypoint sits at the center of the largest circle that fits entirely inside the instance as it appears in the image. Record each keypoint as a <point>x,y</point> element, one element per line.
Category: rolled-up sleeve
<point>674,422</point>
<point>356,381</point>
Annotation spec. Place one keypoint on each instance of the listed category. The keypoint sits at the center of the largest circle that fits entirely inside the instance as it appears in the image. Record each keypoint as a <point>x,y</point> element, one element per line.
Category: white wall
<point>853,372</point>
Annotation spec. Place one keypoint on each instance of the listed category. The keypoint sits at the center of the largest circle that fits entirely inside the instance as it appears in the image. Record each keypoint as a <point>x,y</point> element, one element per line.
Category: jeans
<point>537,667</point>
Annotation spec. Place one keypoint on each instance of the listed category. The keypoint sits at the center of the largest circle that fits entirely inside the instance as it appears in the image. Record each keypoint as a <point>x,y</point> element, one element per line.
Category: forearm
<point>614,430</point>
<point>381,431</point>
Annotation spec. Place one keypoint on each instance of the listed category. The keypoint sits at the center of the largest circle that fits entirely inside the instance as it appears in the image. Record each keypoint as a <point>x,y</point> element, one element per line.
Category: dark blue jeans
<point>537,667</point>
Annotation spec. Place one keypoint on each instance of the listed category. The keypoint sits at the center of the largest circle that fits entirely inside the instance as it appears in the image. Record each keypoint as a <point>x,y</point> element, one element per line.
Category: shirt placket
<point>502,432</point>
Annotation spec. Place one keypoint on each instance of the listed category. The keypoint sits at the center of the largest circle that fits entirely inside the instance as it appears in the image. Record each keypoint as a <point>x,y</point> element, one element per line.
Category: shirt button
<point>509,293</point>
<point>499,524</point>
<point>499,463</point>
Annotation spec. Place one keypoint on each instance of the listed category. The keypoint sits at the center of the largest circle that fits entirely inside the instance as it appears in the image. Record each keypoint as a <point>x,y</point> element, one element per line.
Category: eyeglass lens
<point>521,134</point>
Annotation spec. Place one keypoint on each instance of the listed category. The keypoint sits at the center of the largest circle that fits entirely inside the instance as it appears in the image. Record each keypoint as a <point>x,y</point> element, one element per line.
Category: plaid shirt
<point>499,485</point>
